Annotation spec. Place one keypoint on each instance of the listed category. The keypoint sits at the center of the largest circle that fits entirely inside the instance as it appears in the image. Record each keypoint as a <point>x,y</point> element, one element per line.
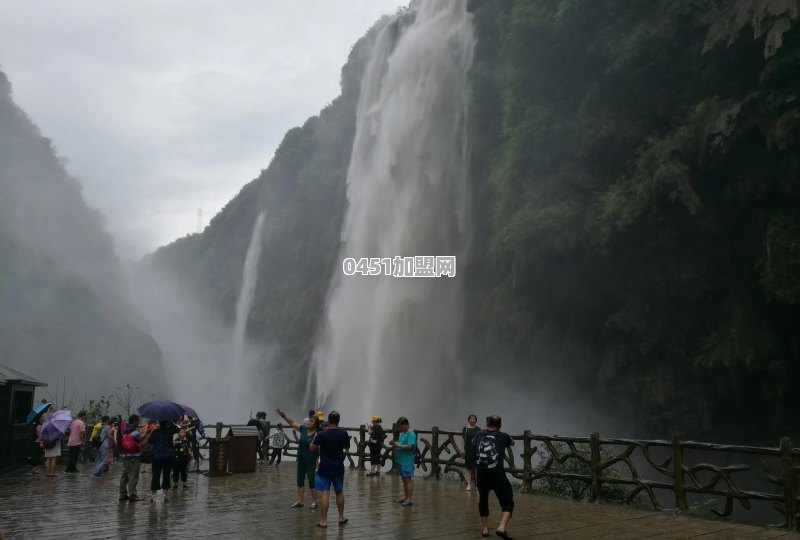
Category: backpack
<point>487,456</point>
<point>129,445</point>
<point>417,453</point>
<point>278,440</point>
<point>377,435</point>
<point>96,441</point>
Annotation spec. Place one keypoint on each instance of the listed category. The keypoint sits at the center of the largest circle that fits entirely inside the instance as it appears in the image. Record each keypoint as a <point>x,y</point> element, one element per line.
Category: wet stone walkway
<point>257,506</point>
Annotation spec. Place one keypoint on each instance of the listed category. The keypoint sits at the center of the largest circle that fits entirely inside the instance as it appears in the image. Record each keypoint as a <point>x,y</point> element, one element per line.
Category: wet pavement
<point>257,506</point>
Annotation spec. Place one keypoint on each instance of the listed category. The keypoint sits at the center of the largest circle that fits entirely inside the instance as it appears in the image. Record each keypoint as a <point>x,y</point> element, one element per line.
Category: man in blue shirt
<point>331,443</point>
<point>404,448</point>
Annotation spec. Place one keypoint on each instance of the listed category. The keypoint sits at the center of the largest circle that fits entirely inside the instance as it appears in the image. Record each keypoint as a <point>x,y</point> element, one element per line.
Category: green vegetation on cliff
<point>637,171</point>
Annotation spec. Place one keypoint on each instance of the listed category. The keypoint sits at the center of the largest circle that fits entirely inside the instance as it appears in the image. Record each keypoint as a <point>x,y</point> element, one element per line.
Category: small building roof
<point>243,431</point>
<point>8,375</point>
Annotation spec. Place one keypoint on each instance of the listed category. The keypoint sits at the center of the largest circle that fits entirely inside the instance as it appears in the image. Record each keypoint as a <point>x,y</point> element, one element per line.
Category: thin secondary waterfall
<point>243,305</point>
<point>389,344</point>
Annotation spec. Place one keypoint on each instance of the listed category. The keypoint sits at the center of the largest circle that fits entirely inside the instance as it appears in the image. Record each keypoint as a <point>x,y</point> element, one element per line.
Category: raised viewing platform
<point>257,506</point>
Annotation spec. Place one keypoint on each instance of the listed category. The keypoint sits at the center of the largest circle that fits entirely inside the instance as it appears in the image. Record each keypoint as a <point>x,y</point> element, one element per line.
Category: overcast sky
<point>163,107</point>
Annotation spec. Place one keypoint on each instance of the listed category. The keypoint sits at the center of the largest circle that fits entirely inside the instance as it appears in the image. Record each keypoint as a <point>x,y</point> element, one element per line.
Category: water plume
<point>389,345</point>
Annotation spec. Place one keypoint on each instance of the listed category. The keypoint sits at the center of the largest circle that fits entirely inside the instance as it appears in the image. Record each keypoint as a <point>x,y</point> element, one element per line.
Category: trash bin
<point>218,456</point>
<point>242,449</point>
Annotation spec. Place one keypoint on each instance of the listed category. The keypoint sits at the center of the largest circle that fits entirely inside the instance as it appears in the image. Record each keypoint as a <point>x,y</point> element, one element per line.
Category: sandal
<point>344,522</point>
<point>297,505</point>
<point>313,505</point>
<point>321,526</point>
<point>485,533</point>
<point>502,534</point>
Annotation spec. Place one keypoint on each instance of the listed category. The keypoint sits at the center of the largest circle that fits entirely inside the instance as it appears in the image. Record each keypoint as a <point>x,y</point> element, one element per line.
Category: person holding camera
<point>404,448</point>
<point>375,444</point>
<point>306,459</point>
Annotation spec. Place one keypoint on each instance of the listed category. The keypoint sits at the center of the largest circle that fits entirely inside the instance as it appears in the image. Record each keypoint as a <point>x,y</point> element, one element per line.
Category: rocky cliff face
<point>634,194</point>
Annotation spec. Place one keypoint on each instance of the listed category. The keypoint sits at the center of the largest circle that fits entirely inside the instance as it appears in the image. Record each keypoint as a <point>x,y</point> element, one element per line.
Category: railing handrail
<point>602,462</point>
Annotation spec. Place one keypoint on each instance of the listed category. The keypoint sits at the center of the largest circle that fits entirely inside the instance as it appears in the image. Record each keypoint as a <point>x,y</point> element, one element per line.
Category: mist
<point>65,313</point>
<point>224,378</point>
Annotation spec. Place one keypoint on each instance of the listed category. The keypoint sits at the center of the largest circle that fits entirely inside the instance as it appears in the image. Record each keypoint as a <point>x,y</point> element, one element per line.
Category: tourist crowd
<point>169,447</point>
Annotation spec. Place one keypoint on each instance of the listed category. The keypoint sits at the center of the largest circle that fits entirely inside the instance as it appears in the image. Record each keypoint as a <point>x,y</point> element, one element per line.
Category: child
<point>180,462</point>
<point>277,442</point>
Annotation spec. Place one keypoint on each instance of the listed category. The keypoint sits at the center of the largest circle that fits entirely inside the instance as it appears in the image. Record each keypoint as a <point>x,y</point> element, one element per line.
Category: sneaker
<point>400,501</point>
<point>297,505</point>
<point>408,503</point>
<point>313,505</point>
<point>94,475</point>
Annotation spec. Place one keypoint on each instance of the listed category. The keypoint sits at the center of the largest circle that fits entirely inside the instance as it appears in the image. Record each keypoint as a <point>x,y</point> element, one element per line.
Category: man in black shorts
<point>490,450</point>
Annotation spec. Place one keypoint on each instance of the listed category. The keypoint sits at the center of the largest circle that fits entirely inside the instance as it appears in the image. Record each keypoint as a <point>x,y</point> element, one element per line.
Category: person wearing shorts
<point>306,459</point>
<point>490,449</point>
<point>404,448</point>
<point>331,443</point>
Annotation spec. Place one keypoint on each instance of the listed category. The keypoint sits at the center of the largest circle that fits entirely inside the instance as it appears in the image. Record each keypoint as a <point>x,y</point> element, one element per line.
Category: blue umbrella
<point>38,410</point>
<point>161,409</point>
<point>55,426</point>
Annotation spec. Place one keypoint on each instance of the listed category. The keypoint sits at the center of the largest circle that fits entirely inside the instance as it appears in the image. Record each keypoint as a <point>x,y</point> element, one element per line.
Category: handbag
<point>50,445</point>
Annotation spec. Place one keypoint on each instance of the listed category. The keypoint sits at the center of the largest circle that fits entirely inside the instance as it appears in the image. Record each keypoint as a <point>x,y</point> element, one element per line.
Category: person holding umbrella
<point>38,451</point>
<point>53,428</point>
<point>36,416</point>
<point>163,454</point>
<point>160,441</point>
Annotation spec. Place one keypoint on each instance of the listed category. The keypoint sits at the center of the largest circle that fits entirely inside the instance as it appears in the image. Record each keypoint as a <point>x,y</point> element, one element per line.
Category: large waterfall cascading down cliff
<point>389,345</point>
<point>239,379</point>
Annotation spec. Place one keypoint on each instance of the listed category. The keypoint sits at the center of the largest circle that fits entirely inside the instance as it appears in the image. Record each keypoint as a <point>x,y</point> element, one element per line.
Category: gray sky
<point>162,106</point>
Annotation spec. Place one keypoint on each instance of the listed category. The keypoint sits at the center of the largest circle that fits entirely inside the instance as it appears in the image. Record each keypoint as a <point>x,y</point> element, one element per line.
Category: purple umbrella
<point>188,410</point>
<point>161,410</point>
<point>55,426</point>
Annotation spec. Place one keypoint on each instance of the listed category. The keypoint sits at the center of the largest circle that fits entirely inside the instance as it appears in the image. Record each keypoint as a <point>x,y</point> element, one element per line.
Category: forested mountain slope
<point>64,309</point>
<point>637,175</point>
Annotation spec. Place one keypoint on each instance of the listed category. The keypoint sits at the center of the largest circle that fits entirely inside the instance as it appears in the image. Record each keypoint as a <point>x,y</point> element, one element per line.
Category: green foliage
<point>639,190</point>
<point>97,409</point>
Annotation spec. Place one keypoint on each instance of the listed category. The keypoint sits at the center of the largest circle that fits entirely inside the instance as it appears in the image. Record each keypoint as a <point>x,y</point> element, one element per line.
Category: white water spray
<point>389,344</point>
<point>239,378</point>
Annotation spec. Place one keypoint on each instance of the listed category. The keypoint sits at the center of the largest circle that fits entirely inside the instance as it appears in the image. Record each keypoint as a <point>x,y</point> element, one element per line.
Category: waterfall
<point>249,279</point>
<point>388,346</point>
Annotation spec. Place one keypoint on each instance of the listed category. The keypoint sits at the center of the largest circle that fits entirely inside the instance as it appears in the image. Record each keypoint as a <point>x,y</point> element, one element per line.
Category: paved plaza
<point>257,506</point>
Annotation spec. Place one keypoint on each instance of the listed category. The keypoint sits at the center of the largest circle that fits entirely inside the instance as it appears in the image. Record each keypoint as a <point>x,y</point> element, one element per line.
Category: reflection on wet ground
<point>257,506</point>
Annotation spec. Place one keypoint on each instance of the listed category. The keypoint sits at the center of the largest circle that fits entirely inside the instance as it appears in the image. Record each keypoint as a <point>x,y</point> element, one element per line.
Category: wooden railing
<point>588,467</point>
